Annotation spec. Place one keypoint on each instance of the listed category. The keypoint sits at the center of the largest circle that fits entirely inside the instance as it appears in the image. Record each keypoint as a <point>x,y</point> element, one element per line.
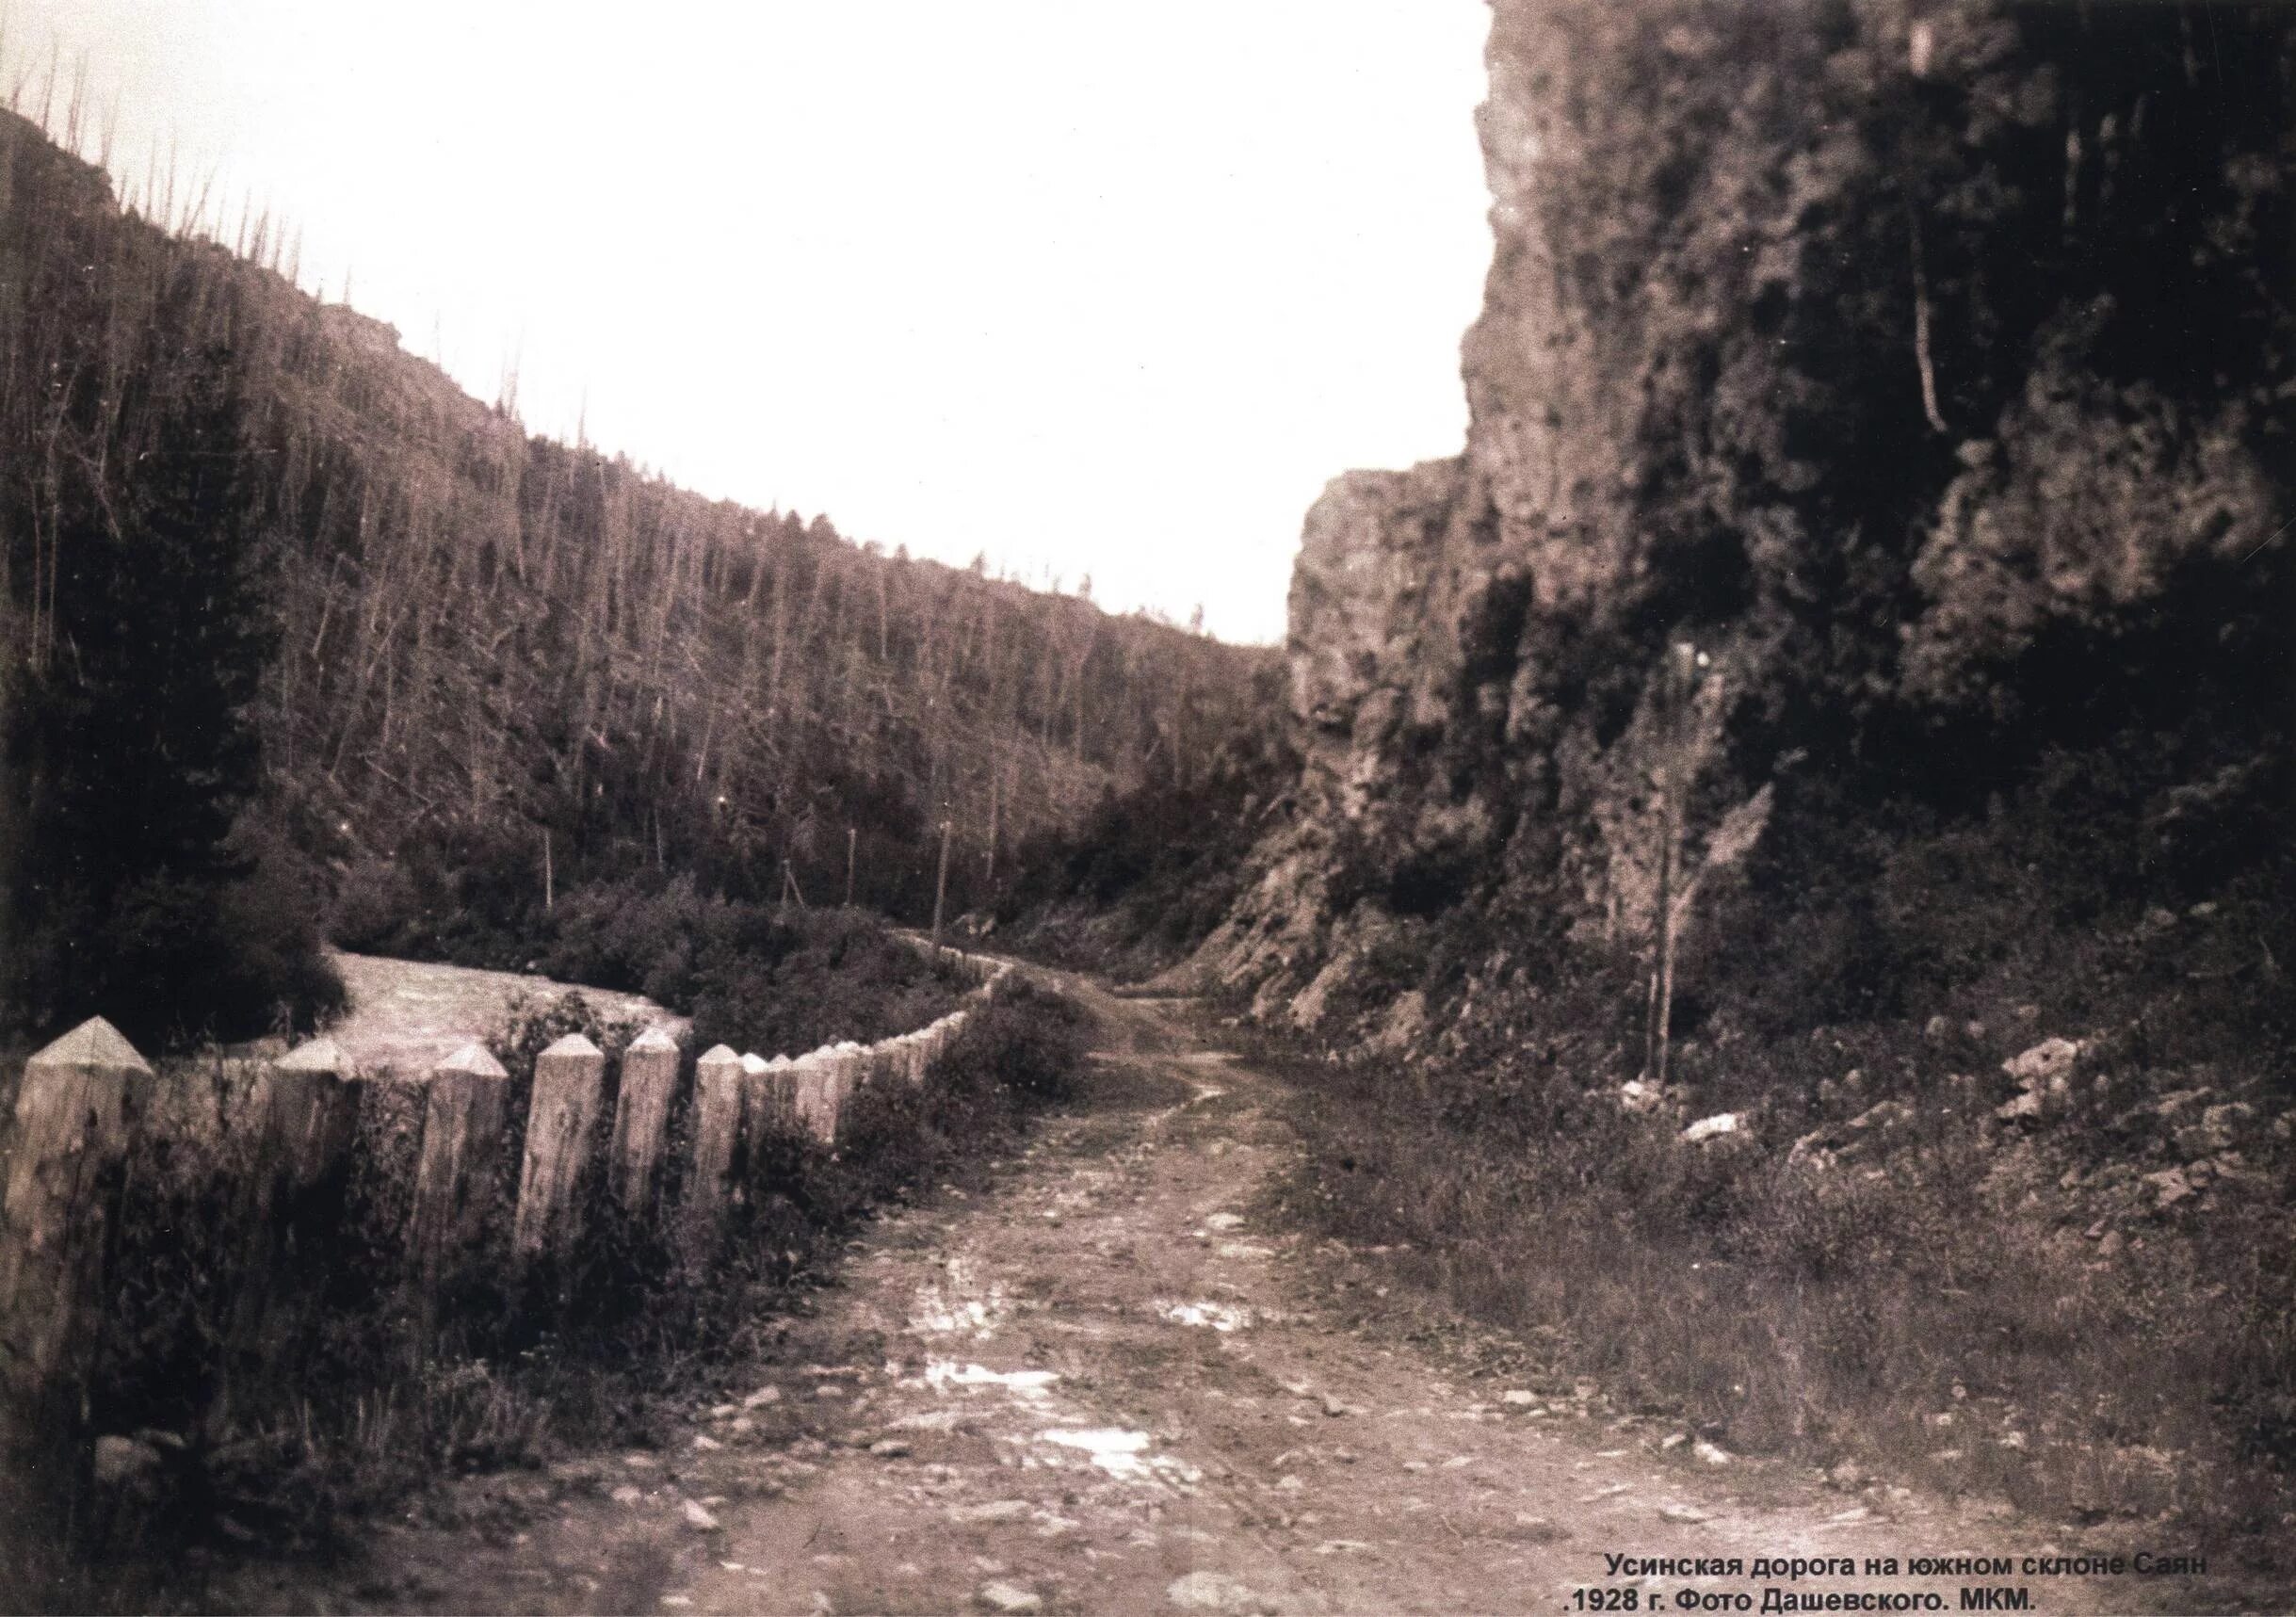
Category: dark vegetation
<point>425,639</point>
<point>142,883</point>
<point>1145,877</point>
<point>530,1362</point>
<point>1874,1247</point>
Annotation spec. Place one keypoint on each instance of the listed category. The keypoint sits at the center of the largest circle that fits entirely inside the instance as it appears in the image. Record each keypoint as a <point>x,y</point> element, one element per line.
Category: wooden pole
<point>75,1115</point>
<point>307,1104</point>
<point>569,1094</point>
<point>549,893</point>
<point>717,1133</point>
<point>462,1118</point>
<point>851,837</point>
<point>940,891</point>
<point>642,1116</point>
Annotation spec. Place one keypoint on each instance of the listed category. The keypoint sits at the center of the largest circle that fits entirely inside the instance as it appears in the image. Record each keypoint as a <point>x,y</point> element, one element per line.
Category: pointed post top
<point>472,1060</point>
<point>721,1056</point>
<point>654,1039</point>
<point>752,1062</point>
<point>94,1043</point>
<point>318,1055</point>
<point>573,1044</point>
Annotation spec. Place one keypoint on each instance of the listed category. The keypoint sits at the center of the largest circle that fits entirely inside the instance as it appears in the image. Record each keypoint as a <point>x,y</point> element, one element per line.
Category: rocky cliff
<point>1922,372</point>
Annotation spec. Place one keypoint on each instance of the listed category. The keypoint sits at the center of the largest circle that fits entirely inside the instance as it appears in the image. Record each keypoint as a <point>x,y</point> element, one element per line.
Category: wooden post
<point>462,1118</point>
<point>307,1105</point>
<point>940,890</point>
<point>569,1094</point>
<point>549,891</point>
<point>812,1100</point>
<point>851,837</point>
<point>775,1098</point>
<point>716,1131</point>
<point>642,1116</point>
<point>75,1114</point>
<point>311,1102</point>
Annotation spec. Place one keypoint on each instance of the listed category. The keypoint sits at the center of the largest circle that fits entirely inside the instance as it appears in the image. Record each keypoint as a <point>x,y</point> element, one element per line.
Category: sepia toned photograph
<point>1282,808</point>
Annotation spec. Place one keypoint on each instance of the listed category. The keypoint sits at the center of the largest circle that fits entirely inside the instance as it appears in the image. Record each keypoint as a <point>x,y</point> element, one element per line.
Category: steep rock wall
<point>1832,342</point>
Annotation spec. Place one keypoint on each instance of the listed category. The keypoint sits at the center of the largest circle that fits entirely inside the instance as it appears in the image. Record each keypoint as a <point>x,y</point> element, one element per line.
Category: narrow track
<point>1103,1386</point>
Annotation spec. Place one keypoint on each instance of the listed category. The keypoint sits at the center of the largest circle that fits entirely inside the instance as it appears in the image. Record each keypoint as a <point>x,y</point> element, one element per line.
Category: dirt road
<point>406,1016</point>
<point>1105,1385</point>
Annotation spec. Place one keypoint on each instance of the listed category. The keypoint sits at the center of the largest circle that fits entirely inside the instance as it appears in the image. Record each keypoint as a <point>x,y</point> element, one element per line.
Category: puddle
<point>940,1373</point>
<point>1112,1449</point>
<point>1123,1453</point>
<point>1212,1315</point>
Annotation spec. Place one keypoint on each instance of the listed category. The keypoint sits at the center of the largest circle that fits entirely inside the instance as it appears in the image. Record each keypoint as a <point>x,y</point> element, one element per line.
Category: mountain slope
<point>487,635</point>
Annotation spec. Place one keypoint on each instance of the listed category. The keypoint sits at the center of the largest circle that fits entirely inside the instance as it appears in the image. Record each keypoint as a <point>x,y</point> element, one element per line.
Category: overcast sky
<point>1098,289</point>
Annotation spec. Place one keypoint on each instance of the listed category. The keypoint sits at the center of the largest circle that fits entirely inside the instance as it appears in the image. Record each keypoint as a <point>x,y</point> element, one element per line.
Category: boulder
<point>2168,1187</point>
<point>2046,1066</point>
<point>2218,1130</point>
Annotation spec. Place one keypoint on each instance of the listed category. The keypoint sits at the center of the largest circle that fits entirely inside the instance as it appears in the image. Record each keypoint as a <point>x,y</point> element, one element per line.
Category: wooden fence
<point>82,1101</point>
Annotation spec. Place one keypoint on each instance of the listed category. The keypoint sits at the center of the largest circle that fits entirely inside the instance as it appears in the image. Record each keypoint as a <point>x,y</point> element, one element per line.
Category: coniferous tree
<point>132,754</point>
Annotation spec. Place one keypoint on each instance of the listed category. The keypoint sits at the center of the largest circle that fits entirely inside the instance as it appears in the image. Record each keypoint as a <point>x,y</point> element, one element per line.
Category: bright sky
<point>1098,289</point>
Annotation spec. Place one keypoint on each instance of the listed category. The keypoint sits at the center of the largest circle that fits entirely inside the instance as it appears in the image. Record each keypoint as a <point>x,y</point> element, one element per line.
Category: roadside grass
<point>350,1412</point>
<point>1918,1318</point>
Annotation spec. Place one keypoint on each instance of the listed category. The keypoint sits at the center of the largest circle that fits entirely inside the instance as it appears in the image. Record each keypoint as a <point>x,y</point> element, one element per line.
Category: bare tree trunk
<point>1921,322</point>
<point>1664,979</point>
<point>940,891</point>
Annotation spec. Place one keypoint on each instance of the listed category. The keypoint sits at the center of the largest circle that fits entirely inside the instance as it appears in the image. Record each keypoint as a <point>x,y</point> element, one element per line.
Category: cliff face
<point>1922,369</point>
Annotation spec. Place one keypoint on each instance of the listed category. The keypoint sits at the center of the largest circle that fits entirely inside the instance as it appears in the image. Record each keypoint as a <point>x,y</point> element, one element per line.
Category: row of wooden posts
<point>80,1099</point>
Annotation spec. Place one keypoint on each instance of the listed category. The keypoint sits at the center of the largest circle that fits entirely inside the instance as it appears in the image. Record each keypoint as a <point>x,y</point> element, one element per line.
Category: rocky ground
<point>1113,1382</point>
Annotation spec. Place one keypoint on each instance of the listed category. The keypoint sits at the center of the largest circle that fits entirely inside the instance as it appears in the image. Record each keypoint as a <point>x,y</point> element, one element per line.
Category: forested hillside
<point>473,653</point>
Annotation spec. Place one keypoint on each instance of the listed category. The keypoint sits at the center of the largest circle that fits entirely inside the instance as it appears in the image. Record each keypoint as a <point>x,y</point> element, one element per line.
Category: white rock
<point>761,1397</point>
<point>1210,1592</point>
<point>1721,1122</point>
<point>698,1518</point>
<point>1009,1597</point>
<point>2046,1065</point>
<point>1637,1094</point>
<point>1684,1514</point>
<point>1708,1454</point>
